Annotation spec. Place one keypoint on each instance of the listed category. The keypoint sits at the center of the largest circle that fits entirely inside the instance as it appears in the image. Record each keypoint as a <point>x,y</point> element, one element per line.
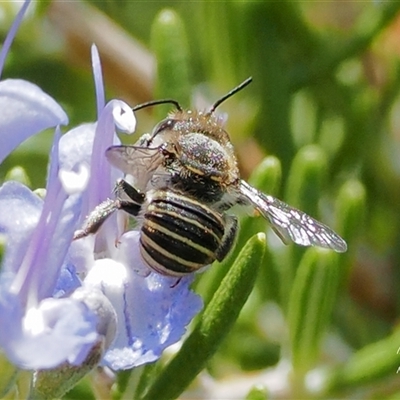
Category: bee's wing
<point>138,161</point>
<point>292,224</point>
<point>134,159</point>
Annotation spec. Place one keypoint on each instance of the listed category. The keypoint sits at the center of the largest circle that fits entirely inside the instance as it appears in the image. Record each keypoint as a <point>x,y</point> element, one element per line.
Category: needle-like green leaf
<point>168,41</point>
<point>311,303</point>
<point>214,325</point>
<point>368,365</point>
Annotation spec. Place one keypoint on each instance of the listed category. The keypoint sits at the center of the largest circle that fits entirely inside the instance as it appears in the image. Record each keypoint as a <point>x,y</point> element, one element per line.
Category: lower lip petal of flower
<point>96,301</point>
<point>55,331</point>
<point>152,311</point>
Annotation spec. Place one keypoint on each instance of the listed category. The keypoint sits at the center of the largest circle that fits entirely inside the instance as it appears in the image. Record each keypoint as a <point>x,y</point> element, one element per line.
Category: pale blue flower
<point>35,323</point>
<point>38,233</point>
<point>152,311</point>
<point>57,297</point>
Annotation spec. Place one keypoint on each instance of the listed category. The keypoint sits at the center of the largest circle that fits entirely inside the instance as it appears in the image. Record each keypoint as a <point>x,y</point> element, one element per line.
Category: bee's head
<point>182,121</point>
<point>194,144</point>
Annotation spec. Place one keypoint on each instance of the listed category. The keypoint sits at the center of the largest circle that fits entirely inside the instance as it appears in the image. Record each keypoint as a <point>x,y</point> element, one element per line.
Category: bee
<point>185,180</point>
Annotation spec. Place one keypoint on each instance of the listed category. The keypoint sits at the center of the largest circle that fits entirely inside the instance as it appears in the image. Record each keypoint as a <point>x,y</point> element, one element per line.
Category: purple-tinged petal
<point>115,112</point>
<point>105,137</point>
<point>67,282</point>
<point>56,238</point>
<point>25,111</point>
<point>76,146</point>
<point>38,331</point>
<point>98,79</point>
<point>50,240</point>
<point>103,309</point>
<point>153,311</point>
<point>20,210</point>
<point>76,157</point>
<point>54,157</point>
<point>11,35</point>
<point>57,330</point>
<point>57,208</point>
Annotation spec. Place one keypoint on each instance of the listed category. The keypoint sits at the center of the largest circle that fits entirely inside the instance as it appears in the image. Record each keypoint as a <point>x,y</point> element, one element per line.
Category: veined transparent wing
<point>291,224</point>
<point>140,162</point>
<point>129,159</point>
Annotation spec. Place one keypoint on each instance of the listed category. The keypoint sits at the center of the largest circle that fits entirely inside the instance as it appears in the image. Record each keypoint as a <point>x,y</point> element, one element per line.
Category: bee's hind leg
<point>130,199</point>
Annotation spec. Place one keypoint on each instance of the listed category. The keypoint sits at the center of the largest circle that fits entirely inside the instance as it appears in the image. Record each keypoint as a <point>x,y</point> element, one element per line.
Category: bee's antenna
<point>157,102</point>
<point>229,94</point>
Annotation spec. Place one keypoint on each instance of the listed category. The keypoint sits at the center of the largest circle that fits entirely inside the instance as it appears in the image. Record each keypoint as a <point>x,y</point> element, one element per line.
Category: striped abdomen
<point>179,235</point>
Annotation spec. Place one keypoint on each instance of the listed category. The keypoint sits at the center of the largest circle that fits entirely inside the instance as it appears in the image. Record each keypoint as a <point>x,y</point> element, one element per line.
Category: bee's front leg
<point>96,218</point>
<point>127,198</point>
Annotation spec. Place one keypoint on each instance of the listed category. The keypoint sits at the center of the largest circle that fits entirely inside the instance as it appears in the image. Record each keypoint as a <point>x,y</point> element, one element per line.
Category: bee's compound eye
<point>166,124</point>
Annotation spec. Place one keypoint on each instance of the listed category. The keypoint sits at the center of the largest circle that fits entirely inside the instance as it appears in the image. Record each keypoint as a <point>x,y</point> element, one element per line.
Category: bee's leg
<point>127,198</point>
<point>122,187</point>
<point>96,218</point>
<point>130,199</point>
<point>229,237</point>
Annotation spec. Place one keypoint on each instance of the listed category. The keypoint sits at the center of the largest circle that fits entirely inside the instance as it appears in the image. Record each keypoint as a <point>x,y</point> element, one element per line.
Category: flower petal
<point>153,311</point>
<point>67,282</point>
<point>20,212</point>
<point>105,137</point>
<point>95,300</point>
<point>116,112</point>
<point>51,238</point>
<point>74,182</point>
<point>98,79</point>
<point>26,110</point>
<point>124,118</point>
<point>11,34</point>
<point>76,146</point>
<point>56,239</point>
<point>57,330</point>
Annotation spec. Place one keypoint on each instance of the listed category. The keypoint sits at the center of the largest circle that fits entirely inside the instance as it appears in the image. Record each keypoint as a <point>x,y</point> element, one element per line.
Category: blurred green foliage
<point>321,121</point>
